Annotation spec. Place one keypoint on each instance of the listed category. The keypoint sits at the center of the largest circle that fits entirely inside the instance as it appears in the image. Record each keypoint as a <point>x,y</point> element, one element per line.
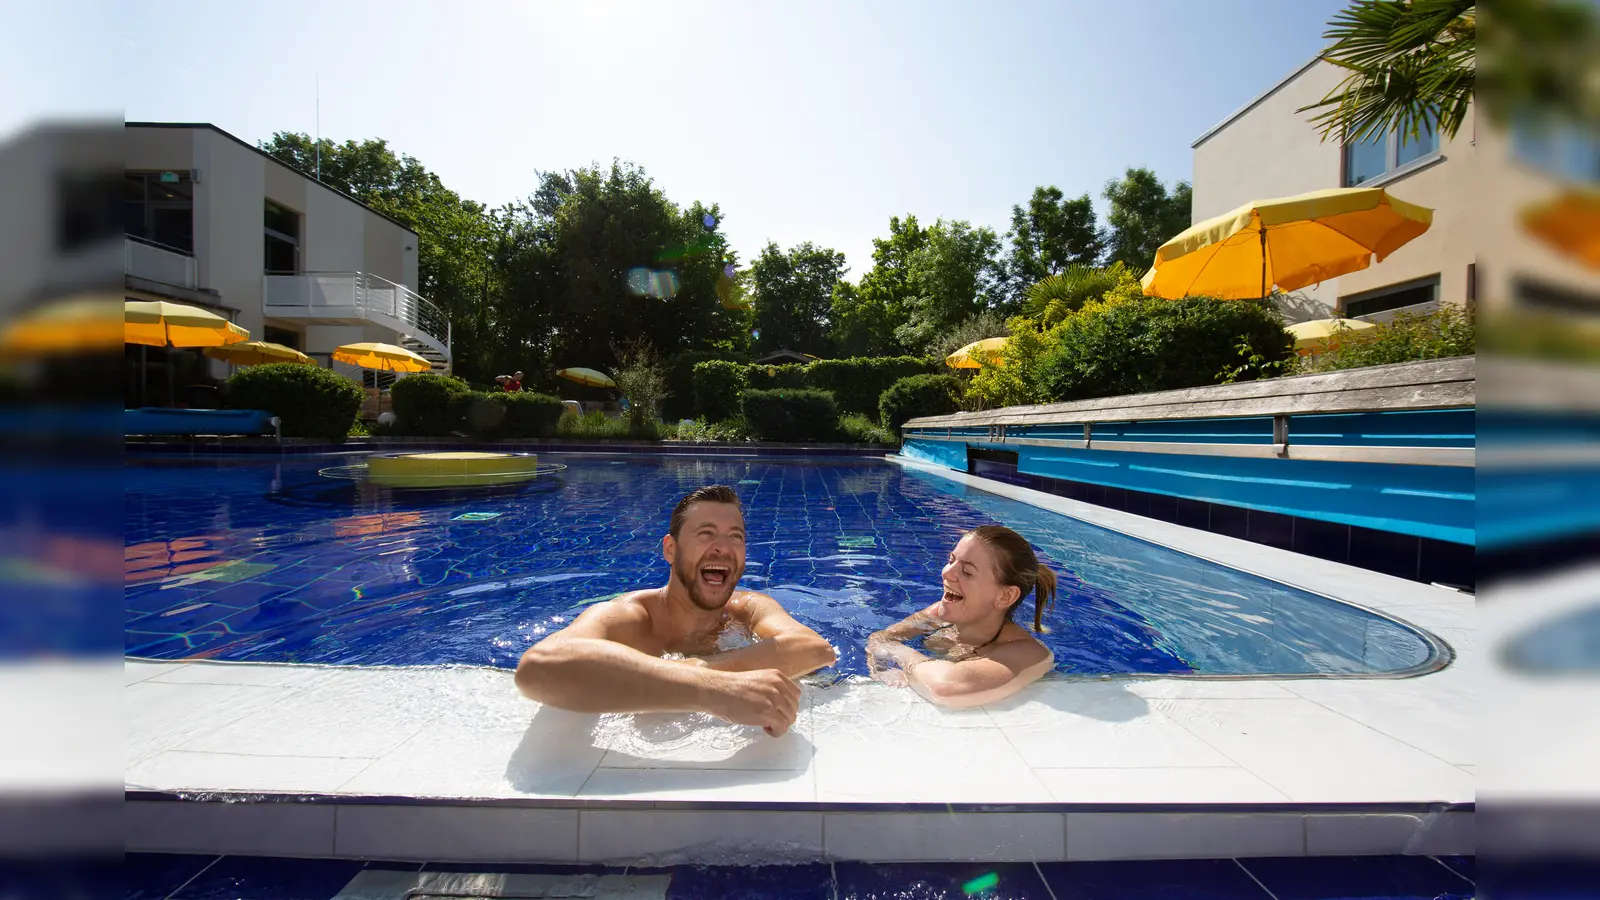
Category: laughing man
<point>611,658</point>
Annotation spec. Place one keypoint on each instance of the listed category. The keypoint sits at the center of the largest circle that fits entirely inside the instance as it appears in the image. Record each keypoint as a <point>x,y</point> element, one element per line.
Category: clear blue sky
<point>805,121</point>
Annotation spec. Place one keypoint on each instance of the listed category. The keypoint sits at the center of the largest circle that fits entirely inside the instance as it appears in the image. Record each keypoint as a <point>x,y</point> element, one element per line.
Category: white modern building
<point>212,221</point>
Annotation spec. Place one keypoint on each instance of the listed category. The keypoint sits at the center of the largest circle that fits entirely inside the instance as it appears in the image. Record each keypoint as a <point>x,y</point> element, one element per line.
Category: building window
<point>282,234</point>
<point>283,336</point>
<point>158,207</point>
<point>1563,149</point>
<point>1379,155</point>
<point>1394,297</point>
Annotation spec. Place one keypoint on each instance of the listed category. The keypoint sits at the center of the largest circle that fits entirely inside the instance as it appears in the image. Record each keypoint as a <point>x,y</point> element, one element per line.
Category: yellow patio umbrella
<point>1570,224</point>
<point>256,353</point>
<point>586,377</point>
<point>1312,335</point>
<point>71,325</point>
<point>381,357</point>
<point>1289,242</point>
<point>161,323</point>
<point>966,358</point>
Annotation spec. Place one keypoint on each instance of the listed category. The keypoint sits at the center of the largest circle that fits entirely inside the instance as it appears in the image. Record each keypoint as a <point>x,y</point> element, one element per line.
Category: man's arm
<point>784,644</point>
<point>591,666</point>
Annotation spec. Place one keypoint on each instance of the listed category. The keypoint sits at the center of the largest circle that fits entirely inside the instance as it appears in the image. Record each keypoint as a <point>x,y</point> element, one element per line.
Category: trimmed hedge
<point>529,415</point>
<point>718,387</point>
<point>310,401</point>
<point>479,413</point>
<point>858,384</point>
<point>679,402</point>
<point>791,415</point>
<point>422,403</point>
<point>772,378</point>
<point>917,396</point>
<point>1150,344</point>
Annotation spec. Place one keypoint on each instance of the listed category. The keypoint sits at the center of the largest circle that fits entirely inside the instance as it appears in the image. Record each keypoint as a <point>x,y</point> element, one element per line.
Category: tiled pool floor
<point>186,877</point>
<point>451,763</point>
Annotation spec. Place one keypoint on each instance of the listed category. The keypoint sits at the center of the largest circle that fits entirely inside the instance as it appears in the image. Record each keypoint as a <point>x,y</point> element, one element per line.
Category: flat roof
<point>267,155</point>
<point>1256,101</point>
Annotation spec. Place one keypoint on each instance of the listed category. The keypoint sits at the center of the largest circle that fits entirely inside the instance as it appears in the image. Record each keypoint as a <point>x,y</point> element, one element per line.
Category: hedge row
<point>856,384</point>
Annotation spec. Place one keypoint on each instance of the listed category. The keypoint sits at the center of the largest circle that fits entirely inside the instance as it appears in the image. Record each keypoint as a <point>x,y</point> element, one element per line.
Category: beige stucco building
<point>214,221</point>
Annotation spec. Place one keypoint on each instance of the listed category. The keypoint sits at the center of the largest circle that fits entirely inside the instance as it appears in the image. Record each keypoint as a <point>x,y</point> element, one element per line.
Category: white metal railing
<point>143,259</point>
<point>362,295</point>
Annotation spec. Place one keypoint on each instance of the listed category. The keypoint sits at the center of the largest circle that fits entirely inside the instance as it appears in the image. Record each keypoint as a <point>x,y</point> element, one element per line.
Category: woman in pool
<point>973,653</point>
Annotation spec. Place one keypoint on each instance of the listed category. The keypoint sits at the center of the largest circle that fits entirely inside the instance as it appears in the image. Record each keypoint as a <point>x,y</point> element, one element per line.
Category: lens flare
<point>709,221</point>
<point>661,284</point>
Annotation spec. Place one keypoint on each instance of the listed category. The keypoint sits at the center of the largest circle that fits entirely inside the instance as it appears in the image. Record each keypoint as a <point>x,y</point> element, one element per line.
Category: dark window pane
<point>172,225</point>
<point>1367,159</point>
<point>282,257</point>
<point>281,220</point>
<point>1425,143</point>
<point>1366,306</point>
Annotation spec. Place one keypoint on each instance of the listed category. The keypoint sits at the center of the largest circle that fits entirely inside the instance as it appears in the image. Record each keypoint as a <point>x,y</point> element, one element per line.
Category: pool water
<point>244,559</point>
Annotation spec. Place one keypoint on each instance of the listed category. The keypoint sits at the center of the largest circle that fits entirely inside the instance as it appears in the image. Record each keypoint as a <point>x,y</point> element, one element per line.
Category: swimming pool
<point>245,559</point>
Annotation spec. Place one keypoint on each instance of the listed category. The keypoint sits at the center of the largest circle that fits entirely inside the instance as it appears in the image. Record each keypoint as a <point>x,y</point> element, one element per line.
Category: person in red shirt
<point>515,384</point>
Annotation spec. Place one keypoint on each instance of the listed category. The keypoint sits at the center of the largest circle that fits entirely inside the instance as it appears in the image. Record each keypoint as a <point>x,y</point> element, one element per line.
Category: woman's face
<point>972,588</point>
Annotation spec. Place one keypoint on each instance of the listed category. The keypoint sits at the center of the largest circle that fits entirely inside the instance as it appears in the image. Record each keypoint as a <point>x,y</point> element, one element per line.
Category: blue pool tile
<point>809,882</point>
<point>515,868</point>
<point>61,879</point>
<point>267,878</point>
<point>939,881</point>
<point>154,876</point>
<point>1364,877</point>
<point>1174,879</point>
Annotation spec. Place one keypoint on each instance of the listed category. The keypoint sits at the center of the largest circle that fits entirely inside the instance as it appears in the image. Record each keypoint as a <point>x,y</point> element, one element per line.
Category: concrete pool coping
<point>450,763</point>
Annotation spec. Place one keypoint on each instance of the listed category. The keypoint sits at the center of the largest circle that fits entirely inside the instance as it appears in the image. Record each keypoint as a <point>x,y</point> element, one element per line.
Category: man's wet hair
<point>715,493</point>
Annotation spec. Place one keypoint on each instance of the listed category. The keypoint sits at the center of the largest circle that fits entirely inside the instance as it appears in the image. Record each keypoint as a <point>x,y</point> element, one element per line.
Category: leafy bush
<point>862,430</point>
<point>641,376</point>
<point>699,431</point>
<point>1134,344</point>
<point>986,324</point>
<point>791,415</point>
<point>598,426</point>
<point>529,415</point>
<point>679,402</point>
<point>718,387</point>
<point>1057,297</point>
<point>857,384</point>
<point>310,401</point>
<point>479,413</point>
<point>772,378</point>
<point>1447,331</point>
<point>422,402</point>
<point>917,396</point>
<point>1014,379</point>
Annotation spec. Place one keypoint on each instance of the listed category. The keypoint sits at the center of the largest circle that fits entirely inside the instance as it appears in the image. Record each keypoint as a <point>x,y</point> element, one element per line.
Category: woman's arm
<point>1006,669</point>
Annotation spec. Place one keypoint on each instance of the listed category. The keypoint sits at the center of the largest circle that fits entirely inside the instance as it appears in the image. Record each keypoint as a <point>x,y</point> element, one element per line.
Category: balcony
<point>159,263</point>
<point>360,297</point>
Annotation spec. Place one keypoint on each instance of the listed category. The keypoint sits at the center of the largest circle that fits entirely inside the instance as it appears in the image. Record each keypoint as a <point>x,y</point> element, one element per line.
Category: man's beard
<point>689,577</point>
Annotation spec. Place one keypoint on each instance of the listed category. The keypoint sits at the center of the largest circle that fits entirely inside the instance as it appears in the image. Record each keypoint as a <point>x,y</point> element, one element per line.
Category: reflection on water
<point>270,562</point>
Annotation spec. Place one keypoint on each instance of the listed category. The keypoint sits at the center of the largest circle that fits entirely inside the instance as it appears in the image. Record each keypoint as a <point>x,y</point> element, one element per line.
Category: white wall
<point>333,236</point>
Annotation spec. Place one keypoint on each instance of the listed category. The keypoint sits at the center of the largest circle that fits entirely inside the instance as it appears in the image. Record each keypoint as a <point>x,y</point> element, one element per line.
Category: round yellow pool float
<point>451,469</point>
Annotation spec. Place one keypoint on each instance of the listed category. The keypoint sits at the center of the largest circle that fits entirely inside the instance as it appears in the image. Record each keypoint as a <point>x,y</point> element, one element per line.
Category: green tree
<point>794,293</point>
<point>868,316</point>
<point>1050,235</point>
<point>1411,66</point>
<point>1143,216</point>
<point>954,275</point>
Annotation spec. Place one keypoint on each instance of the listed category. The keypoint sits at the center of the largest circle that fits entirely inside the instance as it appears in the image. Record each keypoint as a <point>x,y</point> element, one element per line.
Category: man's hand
<point>765,697</point>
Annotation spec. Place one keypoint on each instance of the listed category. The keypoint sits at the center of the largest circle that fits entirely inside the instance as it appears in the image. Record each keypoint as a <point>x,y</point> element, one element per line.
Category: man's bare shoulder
<point>743,603</point>
<point>622,616</point>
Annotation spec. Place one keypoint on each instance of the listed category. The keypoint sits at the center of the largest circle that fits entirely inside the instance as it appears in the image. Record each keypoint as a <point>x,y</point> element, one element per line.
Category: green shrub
<point>598,426</point>
<point>862,430</point>
<point>699,431</point>
<point>422,402</point>
<point>917,396</point>
<point>1141,344</point>
<point>772,378</point>
<point>478,413</point>
<point>679,402</point>
<point>529,415</point>
<point>792,415</point>
<point>1447,331</point>
<point>857,384</point>
<point>309,401</point>
<point>718,387</point>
